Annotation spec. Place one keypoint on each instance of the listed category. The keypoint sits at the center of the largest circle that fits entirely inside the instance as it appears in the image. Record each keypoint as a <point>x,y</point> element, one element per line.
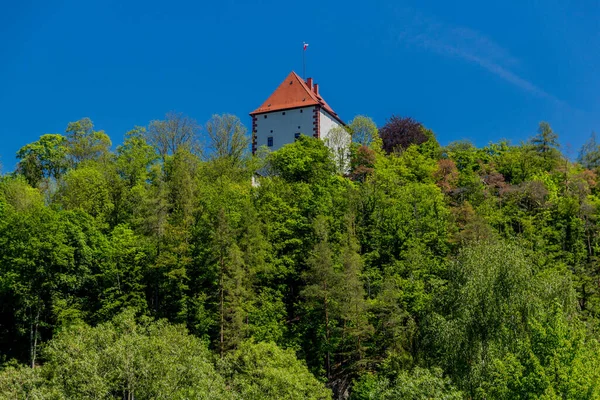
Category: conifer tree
<point>546,139</point>
<point>322,283</point>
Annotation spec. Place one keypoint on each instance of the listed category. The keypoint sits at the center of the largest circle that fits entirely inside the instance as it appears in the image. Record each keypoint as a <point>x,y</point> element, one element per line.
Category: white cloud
<point>466,44</point>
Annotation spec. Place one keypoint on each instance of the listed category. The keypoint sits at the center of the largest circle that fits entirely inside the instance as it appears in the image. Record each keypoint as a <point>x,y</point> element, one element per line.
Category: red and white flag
<point>305,45</point>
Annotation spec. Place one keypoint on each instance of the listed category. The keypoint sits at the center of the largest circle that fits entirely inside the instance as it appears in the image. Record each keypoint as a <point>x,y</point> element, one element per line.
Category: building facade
<point>295,108</point>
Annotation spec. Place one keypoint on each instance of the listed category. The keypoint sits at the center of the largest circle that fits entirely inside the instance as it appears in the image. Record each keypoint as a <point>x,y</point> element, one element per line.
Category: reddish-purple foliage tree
<point>446,176</point>
<point>399,133</point>
<point>362,163</point>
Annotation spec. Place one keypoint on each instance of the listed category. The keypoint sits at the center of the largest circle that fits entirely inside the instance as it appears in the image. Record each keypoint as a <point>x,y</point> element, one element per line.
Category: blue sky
<point>472,70</point>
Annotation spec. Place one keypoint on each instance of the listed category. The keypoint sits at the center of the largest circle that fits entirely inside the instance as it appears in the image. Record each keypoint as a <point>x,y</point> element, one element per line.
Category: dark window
<point>265,116</point>
<point>296,135</point>
<point>283,113</point>
<point>301,110</point>
<point>271,130</point>
<point>270,141</point>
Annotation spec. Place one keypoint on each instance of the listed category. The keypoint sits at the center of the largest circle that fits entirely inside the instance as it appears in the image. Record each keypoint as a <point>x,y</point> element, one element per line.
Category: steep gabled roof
<point>293,93</point>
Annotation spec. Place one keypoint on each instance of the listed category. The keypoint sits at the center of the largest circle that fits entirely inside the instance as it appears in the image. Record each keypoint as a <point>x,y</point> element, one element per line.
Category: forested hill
<point>161,271</point>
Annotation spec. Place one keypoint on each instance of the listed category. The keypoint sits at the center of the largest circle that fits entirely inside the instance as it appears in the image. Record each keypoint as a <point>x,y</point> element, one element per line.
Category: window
<point>296,135</point>
<point>301,110</point>
<point>283,113</point>
<point>265,116</point>
<point>270,141</point>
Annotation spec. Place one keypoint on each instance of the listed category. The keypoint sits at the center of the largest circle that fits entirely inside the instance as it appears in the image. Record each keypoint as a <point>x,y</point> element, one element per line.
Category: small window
<point>283,113</point>
<point>270,141</point>
<point>296,135</point>
<point>271,130</point>
<point>265,116</point>
<point>301,110</point>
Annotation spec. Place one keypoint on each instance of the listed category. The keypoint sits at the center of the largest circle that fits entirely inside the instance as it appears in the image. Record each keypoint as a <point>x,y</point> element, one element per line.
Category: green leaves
<point>306,160</point>
<point>143,359</point>
<point>425,272</point>
<point>84,143</point>
<point>260,371</point>
<point>86,188</point>
<point>46,158</point>
<point>127,359</point>
<point>417,384</point>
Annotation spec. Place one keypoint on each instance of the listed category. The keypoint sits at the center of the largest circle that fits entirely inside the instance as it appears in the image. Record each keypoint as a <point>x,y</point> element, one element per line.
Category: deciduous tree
<point>228,137</point>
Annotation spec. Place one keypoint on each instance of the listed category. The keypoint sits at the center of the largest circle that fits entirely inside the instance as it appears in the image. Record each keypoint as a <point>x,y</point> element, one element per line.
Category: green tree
<point>233,294</point>
<point>354,309</point>
<point>22,382</point>
<point>264,371</point>
<point>224,260</point>
<point>589,155</point>
<point>306,160</point>
<point>363,130</point>
<point>322,283</point>
<point>228,138</point>
<point>35,265</point>
<point>43,159</point>
<point>19,194</point>
<point>121,278</point>
<point>123,359</point>
<point>175,132</point>
<point>181,174</point>
<point>84,143</point>
<point>418,384</point>
<point>546,139</point>
<point>495,292</point>
<point>135,157</point>
<point>555,361</point>
<point>86,188</point>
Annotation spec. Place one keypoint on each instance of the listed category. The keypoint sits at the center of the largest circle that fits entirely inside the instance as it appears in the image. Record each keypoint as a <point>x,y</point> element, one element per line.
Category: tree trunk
<point>33,337</point>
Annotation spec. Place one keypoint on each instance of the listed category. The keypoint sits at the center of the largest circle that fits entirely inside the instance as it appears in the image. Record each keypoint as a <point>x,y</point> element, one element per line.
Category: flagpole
<point>303,62</point>
<point>304,46</point>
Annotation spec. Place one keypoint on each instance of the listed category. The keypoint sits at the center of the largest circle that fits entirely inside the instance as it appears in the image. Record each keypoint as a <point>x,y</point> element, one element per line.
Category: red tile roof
<point>293,93</point>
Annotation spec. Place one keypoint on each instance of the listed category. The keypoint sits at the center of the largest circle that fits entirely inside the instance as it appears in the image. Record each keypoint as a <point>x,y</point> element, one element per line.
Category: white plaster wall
<point>340,146</point>
<point>328,123</point>
<point>283,127</point>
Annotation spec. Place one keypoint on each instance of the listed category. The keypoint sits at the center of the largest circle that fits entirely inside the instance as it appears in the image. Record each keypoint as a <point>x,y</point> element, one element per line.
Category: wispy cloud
<point>466,44</point>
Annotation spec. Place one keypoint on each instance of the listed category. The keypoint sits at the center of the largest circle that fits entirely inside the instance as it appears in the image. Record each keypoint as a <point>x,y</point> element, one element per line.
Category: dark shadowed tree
<point>176,131</point>
<point>399,133</point>
<point>322,283</point>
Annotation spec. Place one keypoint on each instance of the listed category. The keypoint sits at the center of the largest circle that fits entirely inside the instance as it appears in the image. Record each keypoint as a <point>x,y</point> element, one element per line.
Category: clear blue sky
<point>468,70</point>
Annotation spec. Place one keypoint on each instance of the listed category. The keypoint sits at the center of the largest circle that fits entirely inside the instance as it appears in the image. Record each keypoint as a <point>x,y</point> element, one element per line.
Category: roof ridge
<point>294,92</point>
<point>306,88</point>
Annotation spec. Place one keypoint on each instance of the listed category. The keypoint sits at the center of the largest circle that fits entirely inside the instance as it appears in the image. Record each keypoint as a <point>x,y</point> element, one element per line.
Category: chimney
<point>316,89</point>
<point>309,83</point>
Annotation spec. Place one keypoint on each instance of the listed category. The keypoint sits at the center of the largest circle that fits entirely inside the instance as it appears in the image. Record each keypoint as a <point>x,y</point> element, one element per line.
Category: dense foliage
<point>172,269</point>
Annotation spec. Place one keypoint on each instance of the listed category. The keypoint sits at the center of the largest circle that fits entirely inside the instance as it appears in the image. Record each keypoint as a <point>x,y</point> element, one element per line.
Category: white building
<point>294,108</point>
